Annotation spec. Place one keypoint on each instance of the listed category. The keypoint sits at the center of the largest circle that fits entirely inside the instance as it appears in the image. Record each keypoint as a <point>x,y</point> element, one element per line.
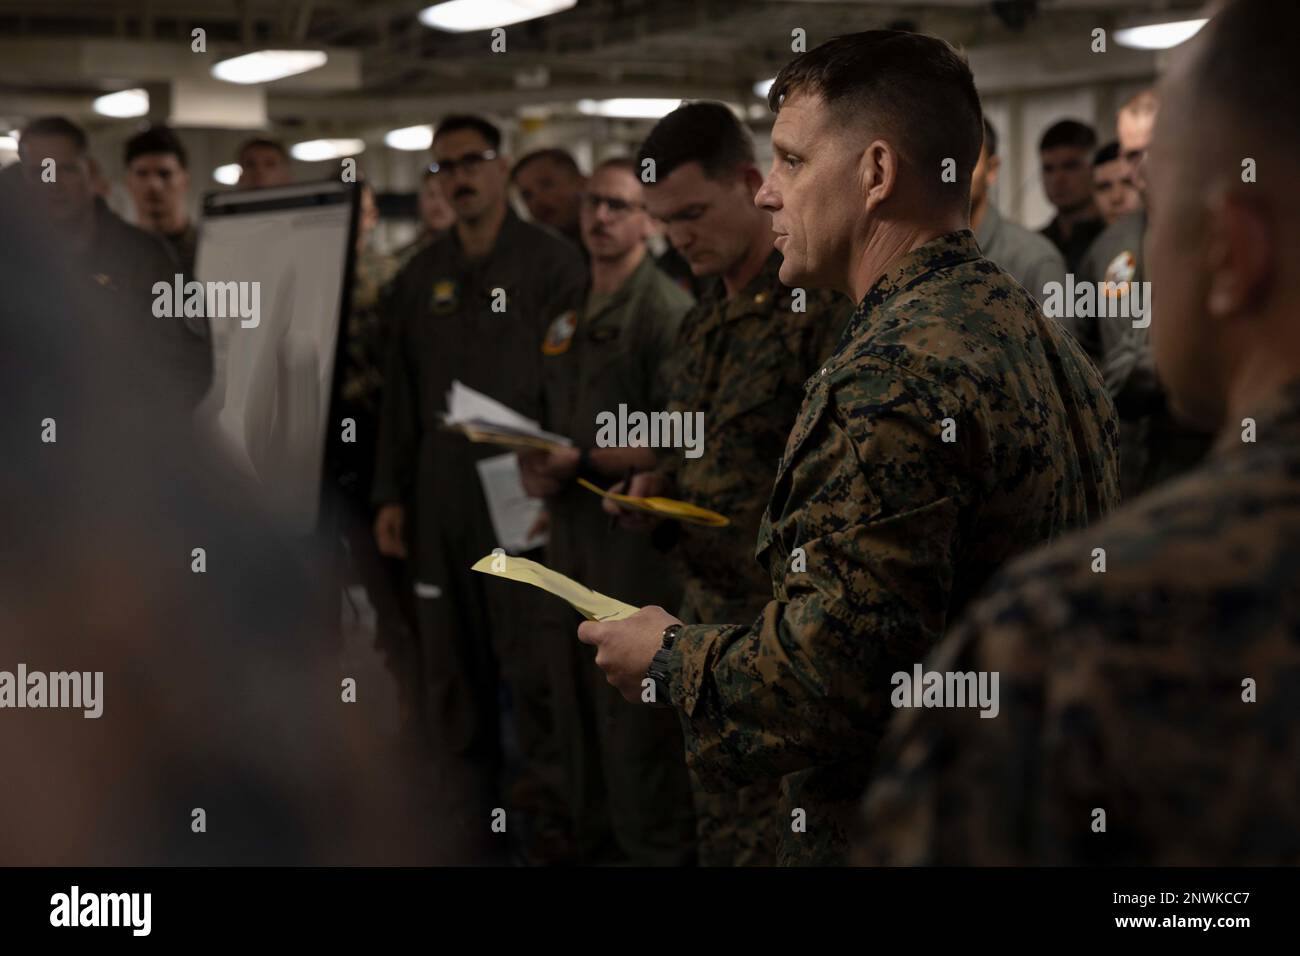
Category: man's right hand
<point>646,484</point>
<point>543,474</point>
<point>388,531</point>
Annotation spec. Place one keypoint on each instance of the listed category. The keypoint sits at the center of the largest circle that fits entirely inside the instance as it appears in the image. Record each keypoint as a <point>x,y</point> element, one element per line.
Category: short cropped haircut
<point>56,126</point>
<point>702,132</point>
<point>261,142</point>
<point>561,157</point>
<point>1068,132</point>
<point>990,138</point>
<point>461,121</point>
<point>915,89</point>
<point>1263,95</point>
<point>1107,154</point>
<point>156,139</point>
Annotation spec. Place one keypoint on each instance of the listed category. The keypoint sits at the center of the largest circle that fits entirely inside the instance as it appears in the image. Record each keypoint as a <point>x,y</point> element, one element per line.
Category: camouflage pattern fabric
<point>953,428</point>
<point>742,362</point>
<point>1124,691</point>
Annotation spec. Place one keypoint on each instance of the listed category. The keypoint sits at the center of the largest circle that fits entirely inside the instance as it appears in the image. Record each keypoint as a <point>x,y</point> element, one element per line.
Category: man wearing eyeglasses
<point>625,766</point>
<point>472,306</point>
<point>1154,446</point>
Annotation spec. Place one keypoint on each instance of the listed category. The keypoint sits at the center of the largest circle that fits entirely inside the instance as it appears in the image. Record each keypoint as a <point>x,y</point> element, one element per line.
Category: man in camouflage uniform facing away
<point>1150,713</point>
<point>740,358</point>
<point>954,427</point>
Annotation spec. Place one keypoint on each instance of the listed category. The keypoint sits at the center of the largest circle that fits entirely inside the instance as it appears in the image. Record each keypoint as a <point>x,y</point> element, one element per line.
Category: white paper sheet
<point>513,513</point>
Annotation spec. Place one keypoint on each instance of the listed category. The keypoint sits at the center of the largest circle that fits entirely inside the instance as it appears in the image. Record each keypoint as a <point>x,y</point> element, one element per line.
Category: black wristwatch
<point>658,671</point>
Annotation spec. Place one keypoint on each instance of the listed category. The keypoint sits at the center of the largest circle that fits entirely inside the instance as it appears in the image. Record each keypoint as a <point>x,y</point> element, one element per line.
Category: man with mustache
<point>954,427</point>
<point>626,773</point>
<point>474,306</point>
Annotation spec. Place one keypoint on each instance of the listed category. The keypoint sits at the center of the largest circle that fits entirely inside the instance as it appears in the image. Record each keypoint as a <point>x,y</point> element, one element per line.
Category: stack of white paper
<point>483,419</point>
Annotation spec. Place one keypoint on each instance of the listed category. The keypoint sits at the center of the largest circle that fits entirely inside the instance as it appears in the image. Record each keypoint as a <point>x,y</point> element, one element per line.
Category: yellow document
<point>590,604</point>
<point>663,507</point>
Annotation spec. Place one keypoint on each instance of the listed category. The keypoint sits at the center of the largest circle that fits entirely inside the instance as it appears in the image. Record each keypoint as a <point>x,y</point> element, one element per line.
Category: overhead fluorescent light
<point>629,107</point>
<point>462,16</point>
<point>123,104</point>
<point>762,87</point>
<point>410,137</point>
<point>316,150</point>
<point>264,66</point>
<point>1158,36</point>
<point>227,175</point>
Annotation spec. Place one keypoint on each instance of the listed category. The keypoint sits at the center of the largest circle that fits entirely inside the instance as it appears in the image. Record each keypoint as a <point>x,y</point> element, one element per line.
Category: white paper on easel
<point>513,513</point>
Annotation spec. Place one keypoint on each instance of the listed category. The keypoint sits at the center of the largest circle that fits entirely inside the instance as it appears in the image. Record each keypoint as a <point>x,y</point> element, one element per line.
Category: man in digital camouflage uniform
<point>740,359</point>
<point>953,428</point>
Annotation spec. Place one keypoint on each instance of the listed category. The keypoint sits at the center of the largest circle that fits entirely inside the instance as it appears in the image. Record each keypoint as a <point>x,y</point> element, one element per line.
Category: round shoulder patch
<point>560,334</point>
<point>1121,271</point>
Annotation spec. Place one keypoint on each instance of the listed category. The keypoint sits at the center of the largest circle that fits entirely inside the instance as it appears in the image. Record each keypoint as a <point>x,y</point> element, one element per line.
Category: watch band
<point>658,670</point>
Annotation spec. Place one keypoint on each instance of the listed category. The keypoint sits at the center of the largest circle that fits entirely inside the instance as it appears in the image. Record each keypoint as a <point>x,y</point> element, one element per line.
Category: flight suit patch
<point>560,335</point>
<point>444,299</point>
<point>1120,271</point>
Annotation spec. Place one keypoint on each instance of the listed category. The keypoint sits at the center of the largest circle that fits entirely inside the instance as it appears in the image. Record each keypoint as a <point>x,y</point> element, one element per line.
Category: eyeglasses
<point>617,207</point>
<point>469,162</point>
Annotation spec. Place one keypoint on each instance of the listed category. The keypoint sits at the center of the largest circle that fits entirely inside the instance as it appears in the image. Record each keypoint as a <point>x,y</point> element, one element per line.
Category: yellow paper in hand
<point>592,605</point>
<point>663,507</point>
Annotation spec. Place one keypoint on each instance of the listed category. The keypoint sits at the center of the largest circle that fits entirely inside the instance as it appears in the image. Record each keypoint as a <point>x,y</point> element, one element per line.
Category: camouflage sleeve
<point>672,387</point>
<point>863,522</point>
